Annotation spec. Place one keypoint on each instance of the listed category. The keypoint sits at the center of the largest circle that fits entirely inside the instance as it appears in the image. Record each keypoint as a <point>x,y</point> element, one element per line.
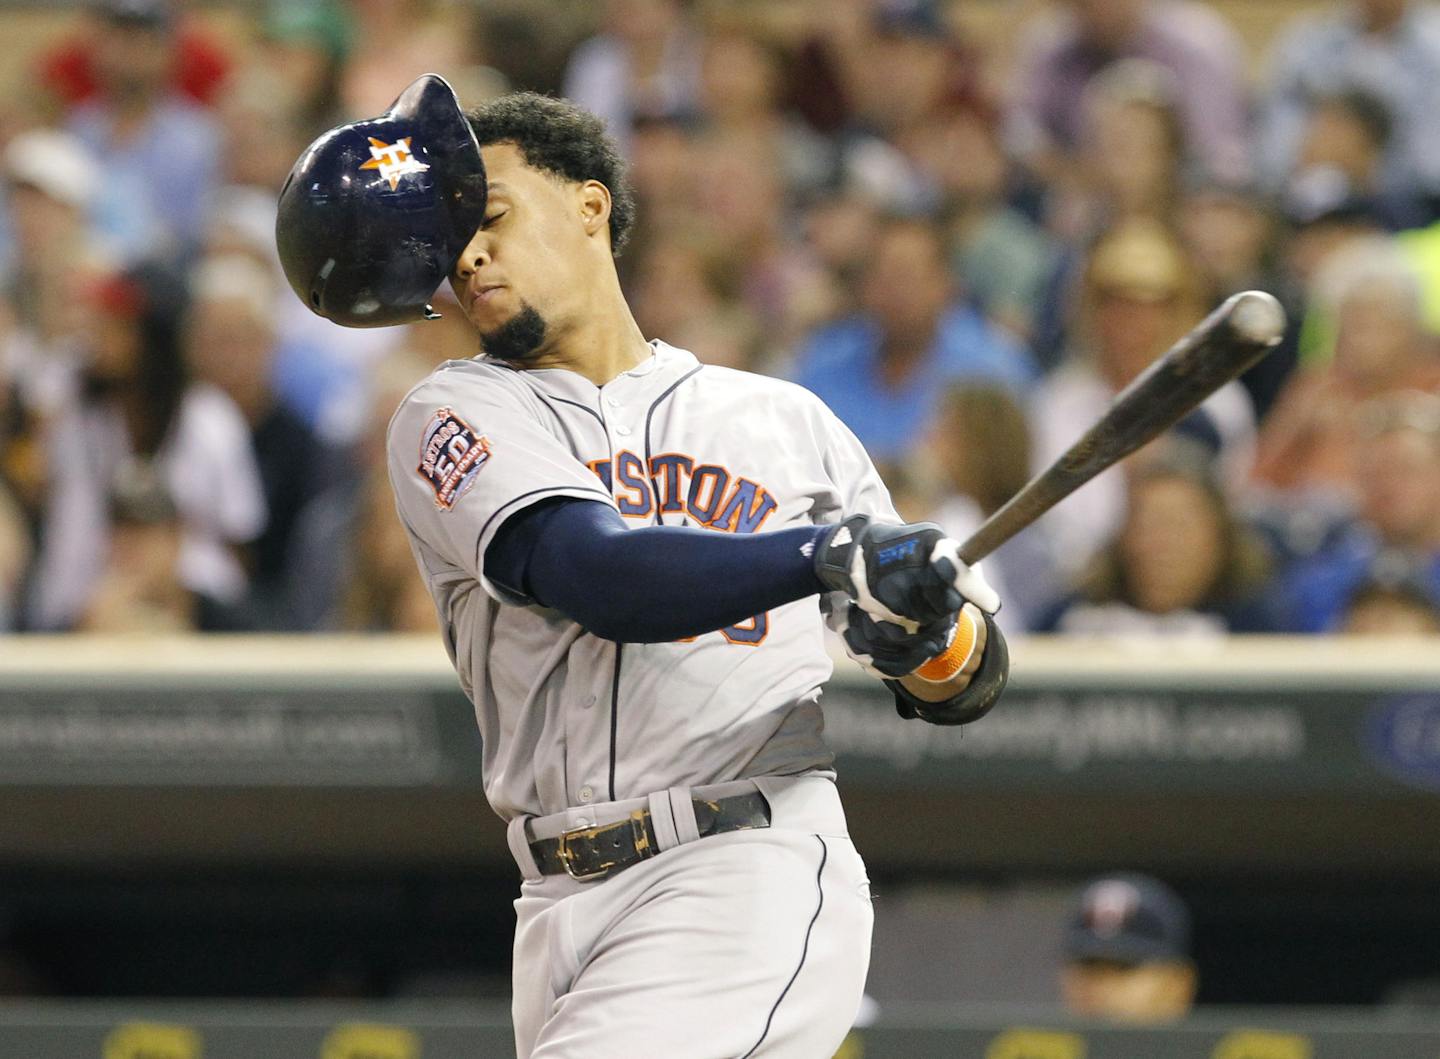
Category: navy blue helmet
<point>374,215</point>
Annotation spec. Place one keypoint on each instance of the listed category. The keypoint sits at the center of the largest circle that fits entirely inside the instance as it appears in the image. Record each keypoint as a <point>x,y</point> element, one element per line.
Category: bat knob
<point>1257,317</point>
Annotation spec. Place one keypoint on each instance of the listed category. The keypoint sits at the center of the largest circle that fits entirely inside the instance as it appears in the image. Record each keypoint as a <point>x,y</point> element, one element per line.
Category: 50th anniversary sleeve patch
<point>451,455</point>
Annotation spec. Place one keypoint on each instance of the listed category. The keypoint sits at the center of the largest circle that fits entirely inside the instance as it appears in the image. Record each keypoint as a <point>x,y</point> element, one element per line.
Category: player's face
<point>1153,992</point>
<point>530,269</point>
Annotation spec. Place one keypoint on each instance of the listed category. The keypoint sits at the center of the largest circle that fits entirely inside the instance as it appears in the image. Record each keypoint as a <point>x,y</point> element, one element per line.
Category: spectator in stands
<point>140,590</point>
<point>1397,461</point>
<point>230,343</point>
<point>1373,295</point>
<point>1127,952</point>
<point>1128,166</point>
<point>69,71</point>
<point>840,231</point>
<point>744,209</point>
<point>1061,54</point>
<point>158,151</point>
<point>664,174</point>
<point>879,66</point>
<point>883,369</point>
<point>1346,131</point>
<point>22,447</point>
<point>679,292</point>
<point>381,592</point>
<point>321,370</point>
<point>15,554</point>
<point>1230,232</point>
<point>894,65</point>
<point>643,63</point>
<point>1228,228</point>
<point>1325,216</point>
<point>1392,603</point>
<point>263,133</point>
<point>1182,564</point>
<point>22,498</point>
<point>1388,49</point>
<point>1001,257</point>
<point>394,42</point>
<point>1134,148</point>
<point>303,49</point>
<point>1422,247</point>
<point>1139,293</point>
<point>740,101</point>
<point>1324,222</point>
<point>912,65</point>
<point>380,595</point>
<point>51,180</point>
<point>836,232</point>
<point>526,44</point>
<point>980,443</point>
<point>137,406</point>
<point>1347,134</point>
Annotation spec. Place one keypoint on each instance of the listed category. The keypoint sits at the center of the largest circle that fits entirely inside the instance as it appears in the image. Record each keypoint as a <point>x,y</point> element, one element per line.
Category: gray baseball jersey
<point>568,719</point>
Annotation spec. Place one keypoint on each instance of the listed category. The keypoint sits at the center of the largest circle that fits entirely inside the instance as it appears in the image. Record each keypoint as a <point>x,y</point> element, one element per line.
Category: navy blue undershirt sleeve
<point>651,584</point>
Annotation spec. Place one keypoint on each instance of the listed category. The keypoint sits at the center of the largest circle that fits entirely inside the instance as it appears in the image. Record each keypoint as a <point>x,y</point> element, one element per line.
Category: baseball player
<point>631,555</point>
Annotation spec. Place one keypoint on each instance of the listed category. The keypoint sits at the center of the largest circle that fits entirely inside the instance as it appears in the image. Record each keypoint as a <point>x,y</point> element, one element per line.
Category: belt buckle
<point>568,856</point>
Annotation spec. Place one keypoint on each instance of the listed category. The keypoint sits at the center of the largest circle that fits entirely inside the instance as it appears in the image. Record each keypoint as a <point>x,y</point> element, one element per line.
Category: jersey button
<point>587,792</point>
<point>611,402</point>
<point>589,701</point>
<point>624,432</point>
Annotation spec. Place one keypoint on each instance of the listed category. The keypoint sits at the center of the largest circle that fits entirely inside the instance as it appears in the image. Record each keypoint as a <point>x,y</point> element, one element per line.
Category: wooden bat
<point>1221,347</point>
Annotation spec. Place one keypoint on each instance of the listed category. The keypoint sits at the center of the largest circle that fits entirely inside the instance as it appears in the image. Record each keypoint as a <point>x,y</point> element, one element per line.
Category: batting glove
<point>884,649</point>
<point>907,574</point>
<point>987,683</point>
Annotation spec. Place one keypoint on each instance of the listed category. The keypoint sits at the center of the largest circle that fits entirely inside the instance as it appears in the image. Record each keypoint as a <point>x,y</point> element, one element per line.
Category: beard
<point>518,338</point>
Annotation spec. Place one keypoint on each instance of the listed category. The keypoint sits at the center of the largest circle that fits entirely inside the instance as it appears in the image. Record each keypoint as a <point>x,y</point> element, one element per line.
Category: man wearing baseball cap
<point>1127,952</point>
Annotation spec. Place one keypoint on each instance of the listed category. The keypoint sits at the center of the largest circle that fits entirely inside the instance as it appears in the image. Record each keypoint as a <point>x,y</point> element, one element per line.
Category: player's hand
<point>980,673</point>
<point>908,574</point>
<point>952,668</point>
<point>887,650</point>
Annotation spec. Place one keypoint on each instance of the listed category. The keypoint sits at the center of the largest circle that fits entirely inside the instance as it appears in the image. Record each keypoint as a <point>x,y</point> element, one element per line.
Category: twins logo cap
<point>1129,919</point>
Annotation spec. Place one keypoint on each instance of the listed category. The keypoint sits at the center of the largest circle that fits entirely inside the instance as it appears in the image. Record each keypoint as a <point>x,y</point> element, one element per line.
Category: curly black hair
<point>558,137</point>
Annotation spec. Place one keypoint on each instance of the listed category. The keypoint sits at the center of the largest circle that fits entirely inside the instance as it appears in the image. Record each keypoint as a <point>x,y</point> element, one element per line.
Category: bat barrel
<point>1255,317</point>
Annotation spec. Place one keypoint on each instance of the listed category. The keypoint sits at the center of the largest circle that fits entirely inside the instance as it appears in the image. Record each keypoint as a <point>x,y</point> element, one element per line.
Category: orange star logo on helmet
<point>394,160</point>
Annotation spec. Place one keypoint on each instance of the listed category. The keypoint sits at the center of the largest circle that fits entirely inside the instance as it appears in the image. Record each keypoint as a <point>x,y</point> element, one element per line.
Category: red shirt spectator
<point>201,65</point>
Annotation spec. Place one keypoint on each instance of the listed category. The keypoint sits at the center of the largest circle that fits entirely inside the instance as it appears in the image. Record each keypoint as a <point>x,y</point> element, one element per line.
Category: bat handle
<point>979,544</point>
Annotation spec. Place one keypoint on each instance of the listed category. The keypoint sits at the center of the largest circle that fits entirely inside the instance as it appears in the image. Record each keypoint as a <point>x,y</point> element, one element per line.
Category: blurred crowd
<point>967,255</point>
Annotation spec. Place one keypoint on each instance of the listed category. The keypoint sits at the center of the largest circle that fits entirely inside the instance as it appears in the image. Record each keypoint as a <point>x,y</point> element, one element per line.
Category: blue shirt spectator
<point>883,370</point>
<point>1397,462</point>
<point>159,154</point>
<point>1316,594</point>
<point>842,364</point>
<point>158,178</point>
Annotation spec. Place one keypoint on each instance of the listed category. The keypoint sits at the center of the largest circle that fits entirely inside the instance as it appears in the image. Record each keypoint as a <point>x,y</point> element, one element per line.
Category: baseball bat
<point>1222,346</point>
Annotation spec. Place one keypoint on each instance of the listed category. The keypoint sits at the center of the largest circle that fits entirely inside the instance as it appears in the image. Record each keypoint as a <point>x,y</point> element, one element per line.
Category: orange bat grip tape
<point>947,665</point>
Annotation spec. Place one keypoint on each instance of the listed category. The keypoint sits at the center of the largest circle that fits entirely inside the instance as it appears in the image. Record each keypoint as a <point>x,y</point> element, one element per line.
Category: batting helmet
<point>375,214</point>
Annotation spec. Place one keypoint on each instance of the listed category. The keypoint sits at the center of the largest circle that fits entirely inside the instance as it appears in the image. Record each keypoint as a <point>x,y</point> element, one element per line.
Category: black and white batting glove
<point>884,649</point>
<point>909,574</point>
